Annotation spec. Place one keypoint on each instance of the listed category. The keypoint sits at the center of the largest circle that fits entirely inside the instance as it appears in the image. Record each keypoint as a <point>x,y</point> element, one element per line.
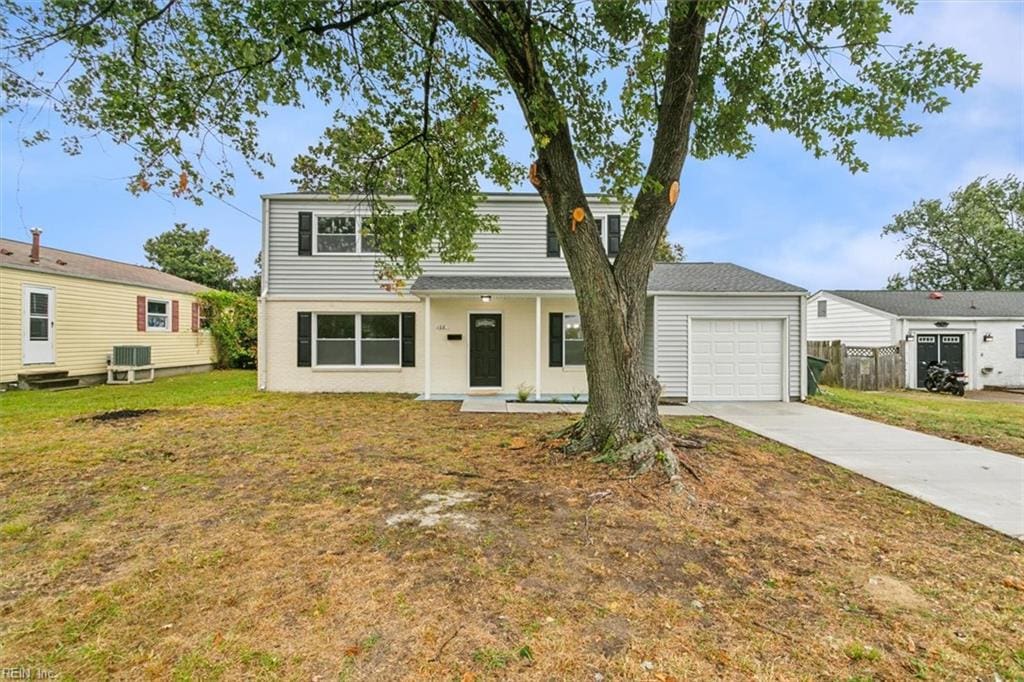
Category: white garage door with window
<point>736,359</point>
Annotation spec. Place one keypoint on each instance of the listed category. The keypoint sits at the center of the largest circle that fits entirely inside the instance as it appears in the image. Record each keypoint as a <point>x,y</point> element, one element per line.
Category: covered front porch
<point>507,338</point>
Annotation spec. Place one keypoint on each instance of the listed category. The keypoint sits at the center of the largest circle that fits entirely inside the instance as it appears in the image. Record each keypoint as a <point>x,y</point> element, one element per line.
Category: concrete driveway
<point>979,484</point>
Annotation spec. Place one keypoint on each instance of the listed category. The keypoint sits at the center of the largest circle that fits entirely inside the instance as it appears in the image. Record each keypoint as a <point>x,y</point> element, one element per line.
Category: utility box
<point>132,356</point>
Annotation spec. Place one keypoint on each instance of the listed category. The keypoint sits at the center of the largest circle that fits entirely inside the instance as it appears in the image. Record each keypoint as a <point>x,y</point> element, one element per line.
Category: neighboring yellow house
<point>61,314</point>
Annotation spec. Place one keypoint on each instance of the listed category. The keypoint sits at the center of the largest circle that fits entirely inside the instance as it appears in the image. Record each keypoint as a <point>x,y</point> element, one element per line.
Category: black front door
<point>927,352</point>
<point>951,351</point>
<point>485,350</point>
<point>947,348</point>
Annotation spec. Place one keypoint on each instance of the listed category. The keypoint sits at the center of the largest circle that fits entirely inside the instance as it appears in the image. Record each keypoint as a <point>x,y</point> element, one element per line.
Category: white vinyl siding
<point>671,335</point>
<point>519,249</point>
<point>851,324</point>
<point>649,335</point>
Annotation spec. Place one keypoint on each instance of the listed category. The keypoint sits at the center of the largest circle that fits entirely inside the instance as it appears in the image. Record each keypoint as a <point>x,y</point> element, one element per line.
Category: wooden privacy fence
<point>861,367</point>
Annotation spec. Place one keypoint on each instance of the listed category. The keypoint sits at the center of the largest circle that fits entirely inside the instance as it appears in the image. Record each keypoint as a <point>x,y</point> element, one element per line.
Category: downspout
<point>261,303</point>
<point>803,347</point>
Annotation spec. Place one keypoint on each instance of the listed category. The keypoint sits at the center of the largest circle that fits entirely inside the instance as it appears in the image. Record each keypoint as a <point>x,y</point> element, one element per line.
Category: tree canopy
<point>975,241</point>
<point>187,253</point>
<point>418,87</point>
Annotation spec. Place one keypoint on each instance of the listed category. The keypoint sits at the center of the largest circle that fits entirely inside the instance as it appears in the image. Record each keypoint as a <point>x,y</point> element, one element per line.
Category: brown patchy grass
<point>987,423</point>
<point>246,536</point>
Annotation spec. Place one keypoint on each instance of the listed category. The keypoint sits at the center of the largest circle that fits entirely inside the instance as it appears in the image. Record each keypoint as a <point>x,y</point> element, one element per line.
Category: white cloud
<point>989,32</point>
<point>832,257</point>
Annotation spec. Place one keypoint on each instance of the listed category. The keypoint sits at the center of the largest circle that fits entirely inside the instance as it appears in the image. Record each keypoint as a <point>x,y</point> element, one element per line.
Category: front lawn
<point>232,534</point>
<point>995,425</point>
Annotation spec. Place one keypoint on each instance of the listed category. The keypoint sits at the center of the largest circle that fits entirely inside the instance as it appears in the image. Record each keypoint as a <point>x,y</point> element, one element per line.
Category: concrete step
<point>52,383</point>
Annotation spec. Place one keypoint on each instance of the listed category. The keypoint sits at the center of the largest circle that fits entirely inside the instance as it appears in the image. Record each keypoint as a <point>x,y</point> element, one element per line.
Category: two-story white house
<point>507,319</point>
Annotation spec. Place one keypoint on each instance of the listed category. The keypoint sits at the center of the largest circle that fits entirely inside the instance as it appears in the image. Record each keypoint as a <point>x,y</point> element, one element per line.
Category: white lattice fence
<point>866,368</point>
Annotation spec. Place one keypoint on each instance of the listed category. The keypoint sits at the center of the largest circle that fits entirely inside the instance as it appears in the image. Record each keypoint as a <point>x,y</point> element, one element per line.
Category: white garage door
<point>736,360</point>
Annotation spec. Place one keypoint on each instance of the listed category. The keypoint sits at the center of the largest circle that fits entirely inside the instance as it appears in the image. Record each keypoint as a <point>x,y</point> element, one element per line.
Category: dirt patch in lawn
<point>373,537</point>
<point>117,415</point>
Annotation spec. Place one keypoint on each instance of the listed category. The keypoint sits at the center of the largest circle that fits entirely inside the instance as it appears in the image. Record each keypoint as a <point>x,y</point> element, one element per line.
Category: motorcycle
<point>940,379</point>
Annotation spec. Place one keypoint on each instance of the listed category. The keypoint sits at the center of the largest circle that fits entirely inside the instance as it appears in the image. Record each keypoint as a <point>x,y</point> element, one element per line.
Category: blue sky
<point>779,211</point>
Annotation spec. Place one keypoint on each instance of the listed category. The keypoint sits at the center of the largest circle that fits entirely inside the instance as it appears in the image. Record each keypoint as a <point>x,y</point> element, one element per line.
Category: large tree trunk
<point>622,413</point>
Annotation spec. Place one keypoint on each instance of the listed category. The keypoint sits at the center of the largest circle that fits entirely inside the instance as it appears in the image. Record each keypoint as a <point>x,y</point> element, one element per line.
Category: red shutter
<point>140,313</point>
<point>195,316</point>
<point>174,316</point>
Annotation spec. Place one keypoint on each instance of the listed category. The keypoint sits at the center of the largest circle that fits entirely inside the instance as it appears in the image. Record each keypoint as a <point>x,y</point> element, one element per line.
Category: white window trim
<point>167,315</point>
<point>359,236</point>
<point>358,341</point>
<point>565,338</point>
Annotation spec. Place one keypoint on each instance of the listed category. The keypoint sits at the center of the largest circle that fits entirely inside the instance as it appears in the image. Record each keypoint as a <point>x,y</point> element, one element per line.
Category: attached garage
<point>737,359</point>
<point>718,331</point>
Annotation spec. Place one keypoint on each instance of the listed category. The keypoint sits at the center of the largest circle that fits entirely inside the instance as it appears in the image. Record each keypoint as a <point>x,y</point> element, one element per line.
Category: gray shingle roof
<point>91,267</point>
<point>665,278</point>
<point>714,277</point>
<point>952,304</point>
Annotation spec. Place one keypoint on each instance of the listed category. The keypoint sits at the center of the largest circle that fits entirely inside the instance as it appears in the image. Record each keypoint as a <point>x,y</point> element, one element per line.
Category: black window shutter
<point>553,249</point>
<point>409,339</point>
<point>305,233</point>
<point>614,234</point>
<point>305,341</point>
<point>554,339</point>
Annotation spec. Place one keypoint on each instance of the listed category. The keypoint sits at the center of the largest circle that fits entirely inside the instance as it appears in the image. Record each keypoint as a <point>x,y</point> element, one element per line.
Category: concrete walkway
<point>979,484</point>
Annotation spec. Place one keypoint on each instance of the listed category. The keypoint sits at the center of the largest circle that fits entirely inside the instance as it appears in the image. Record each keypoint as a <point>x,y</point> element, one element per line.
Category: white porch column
<point>537,353</point>
<point>426,348</point>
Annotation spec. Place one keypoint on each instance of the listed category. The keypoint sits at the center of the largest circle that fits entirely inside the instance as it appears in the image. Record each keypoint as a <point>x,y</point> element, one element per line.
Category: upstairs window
<point>336,234</point>
<point>344,234</point>
<point>1020,343</point>
<point>367,237</point>
<point>157,315</point>
<point>822,308</point>
<point>572,340</point>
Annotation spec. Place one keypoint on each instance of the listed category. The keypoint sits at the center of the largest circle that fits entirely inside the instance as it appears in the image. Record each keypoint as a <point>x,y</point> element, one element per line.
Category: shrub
<point>231,318</point>
<point>523,392</point>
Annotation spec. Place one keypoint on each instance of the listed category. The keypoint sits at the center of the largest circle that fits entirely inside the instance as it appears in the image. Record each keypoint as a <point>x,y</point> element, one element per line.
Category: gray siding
<point>518,249</point>
<point>671,333</point>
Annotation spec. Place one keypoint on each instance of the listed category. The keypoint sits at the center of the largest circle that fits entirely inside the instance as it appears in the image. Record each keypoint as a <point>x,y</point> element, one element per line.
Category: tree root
<point>655,448</point>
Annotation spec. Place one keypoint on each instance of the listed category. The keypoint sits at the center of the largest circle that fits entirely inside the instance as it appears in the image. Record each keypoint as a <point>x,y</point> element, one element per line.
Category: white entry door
<point>37,326</point>
<point>736,359</point>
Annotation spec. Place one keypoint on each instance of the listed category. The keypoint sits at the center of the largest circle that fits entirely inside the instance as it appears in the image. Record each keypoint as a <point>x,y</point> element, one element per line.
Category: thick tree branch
<point>671,142</point>
<point>351,22</point>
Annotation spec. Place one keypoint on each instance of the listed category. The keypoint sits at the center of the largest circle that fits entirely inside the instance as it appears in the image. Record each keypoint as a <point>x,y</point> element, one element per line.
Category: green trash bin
<point>815,366</point>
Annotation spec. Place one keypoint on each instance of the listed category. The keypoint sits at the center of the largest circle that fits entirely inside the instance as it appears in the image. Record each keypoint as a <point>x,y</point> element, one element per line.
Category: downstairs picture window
<point>358,340</point>
<point>572,341</point>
